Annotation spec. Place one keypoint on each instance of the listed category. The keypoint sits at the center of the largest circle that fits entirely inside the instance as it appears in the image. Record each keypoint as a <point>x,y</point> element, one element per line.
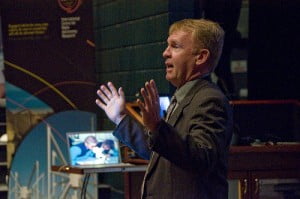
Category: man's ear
<point>202,56</point>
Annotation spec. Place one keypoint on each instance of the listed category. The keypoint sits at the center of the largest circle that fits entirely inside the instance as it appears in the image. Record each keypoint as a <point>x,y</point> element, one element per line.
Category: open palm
<point>112,102</point>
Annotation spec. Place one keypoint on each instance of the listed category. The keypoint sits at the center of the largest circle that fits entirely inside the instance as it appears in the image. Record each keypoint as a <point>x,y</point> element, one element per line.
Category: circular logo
<point>69,6</point>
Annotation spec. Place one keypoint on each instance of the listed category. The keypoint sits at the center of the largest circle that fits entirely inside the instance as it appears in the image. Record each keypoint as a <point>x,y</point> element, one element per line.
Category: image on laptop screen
<point>93,148</point>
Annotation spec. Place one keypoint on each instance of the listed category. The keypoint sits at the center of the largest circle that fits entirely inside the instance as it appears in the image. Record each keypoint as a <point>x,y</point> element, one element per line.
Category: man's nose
<point>166,53</point>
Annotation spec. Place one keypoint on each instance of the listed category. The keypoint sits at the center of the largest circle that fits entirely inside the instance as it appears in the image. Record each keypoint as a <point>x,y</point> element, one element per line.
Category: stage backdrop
<point>49,66</point>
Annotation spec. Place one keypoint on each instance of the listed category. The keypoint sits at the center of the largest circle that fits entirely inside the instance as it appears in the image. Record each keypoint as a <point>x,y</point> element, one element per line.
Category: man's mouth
<point>168,65</point>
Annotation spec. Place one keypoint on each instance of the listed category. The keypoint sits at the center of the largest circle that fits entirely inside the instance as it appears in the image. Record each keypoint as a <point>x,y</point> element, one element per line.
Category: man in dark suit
<point>188,150</point>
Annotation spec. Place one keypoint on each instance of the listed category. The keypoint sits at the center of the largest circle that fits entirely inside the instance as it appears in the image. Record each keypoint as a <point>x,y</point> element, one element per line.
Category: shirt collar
<point>181,92</point>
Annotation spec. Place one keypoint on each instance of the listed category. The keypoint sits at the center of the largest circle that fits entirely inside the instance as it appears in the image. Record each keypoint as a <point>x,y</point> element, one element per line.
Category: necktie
<point>171,107</point>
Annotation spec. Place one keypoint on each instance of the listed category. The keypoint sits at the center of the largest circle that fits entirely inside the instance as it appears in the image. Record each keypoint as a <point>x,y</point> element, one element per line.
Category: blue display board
<point>45,145</point>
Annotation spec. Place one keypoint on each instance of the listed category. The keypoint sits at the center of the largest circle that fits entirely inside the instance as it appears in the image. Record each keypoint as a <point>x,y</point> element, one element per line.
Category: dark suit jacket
<point>189,152</point>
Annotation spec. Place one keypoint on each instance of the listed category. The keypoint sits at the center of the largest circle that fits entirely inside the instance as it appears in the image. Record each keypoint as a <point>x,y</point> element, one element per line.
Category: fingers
<point>106,93</point>
<point>102,95</point>
<point>141,105</point>
<point>112,88</point>
<point>100,104</point>
<point>121,93</point>
<point>145,97</point>
<point>152,82</point>
<point>152,90</point>
<point>150,97</point>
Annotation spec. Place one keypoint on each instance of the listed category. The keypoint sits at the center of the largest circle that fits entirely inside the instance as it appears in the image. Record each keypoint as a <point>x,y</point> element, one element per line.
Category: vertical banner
<point>2,78</point>
<point>49,60</point>
<point>48,49</point>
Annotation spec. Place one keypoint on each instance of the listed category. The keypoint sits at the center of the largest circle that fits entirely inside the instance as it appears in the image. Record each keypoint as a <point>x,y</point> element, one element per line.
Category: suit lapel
<point>152,162</point>
<point>176,114</point>
<point>187,100</point>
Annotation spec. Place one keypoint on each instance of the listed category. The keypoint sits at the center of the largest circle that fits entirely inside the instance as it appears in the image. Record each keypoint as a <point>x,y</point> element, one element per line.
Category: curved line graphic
<point>57,85</point>
<point>64,83</point>
<point>43,81</point>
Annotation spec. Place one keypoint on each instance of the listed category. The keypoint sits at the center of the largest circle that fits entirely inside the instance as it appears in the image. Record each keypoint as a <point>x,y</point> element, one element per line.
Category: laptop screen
<point>93,148</point>
<point>164,102</point>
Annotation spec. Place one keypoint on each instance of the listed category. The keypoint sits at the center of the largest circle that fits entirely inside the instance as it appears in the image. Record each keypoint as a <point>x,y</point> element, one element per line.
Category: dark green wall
<point>130,37</point>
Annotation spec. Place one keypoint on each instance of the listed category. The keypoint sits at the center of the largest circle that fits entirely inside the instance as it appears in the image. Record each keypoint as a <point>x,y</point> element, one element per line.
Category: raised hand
<point>150,108</point>
<point>112,101</point>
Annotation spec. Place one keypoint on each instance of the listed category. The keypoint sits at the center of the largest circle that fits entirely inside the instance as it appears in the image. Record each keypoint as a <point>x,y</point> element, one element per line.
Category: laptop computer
<point>94,149</point>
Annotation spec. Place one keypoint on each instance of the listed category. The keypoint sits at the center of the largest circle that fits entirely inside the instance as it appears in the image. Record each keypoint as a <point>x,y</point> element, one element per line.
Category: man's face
<point>105,146</point>
<point>90,146</point>
<point>180,60</point>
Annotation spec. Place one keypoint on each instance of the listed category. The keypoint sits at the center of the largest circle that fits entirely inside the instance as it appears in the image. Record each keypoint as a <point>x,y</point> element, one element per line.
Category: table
<point>89,170</point>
